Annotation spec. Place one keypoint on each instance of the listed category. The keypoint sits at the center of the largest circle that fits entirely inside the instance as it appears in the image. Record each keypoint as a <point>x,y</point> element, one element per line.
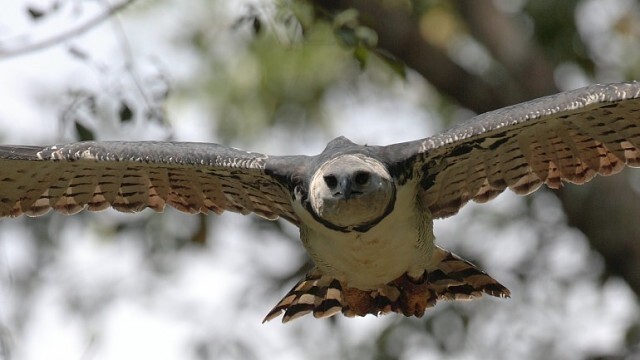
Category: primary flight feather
<point>365,213</point>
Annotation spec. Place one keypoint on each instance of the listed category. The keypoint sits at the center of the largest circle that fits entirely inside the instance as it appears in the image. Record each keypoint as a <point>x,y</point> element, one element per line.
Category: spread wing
<point>131,176</point>
<point>568,137</point>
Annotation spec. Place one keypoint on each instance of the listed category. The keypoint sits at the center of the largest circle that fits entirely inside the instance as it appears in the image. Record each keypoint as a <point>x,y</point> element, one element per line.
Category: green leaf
<point>83,133</point>
<point>125,113</point>
<point>393,62</point>
<point>347,36</point>
<point>347,18</point>
<point>35,13</point>
<point>366,35</point>
<point>361,54</point>
<point>257,25</point>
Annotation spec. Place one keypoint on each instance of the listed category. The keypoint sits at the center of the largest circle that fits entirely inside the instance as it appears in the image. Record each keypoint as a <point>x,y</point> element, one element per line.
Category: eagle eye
<point>331,181</point>
<point>362,177</point>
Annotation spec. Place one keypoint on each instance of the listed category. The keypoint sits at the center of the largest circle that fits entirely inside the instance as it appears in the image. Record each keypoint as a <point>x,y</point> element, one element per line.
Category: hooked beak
<point>345,187</point>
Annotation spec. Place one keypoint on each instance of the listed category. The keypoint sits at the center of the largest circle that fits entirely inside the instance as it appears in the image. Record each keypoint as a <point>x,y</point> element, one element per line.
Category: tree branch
<point>69,33</point>
<point>399,34</point>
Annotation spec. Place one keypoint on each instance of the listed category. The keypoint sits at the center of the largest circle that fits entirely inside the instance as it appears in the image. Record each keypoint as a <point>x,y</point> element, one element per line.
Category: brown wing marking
<point>35,187</point>
<point>572,148</point>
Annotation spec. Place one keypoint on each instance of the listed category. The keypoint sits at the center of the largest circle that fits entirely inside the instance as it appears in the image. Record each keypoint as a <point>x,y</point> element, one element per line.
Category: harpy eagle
<point>365,213</point>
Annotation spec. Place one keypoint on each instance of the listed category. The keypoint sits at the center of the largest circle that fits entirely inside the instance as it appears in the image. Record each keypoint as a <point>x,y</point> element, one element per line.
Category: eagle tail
<point>453,279</point>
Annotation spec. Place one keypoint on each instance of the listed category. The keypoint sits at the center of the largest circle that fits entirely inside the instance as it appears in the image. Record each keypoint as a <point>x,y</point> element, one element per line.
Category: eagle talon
<point>415,295</point>
<point>359,302</point>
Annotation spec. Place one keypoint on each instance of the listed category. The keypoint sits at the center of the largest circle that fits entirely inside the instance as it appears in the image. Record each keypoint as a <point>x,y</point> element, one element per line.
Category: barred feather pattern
<point>453,278</point>
<point>35,186</point>
<point>522,148</point>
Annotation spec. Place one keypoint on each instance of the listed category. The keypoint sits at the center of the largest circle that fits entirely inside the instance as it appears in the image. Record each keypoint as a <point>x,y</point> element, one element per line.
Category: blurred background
<point>284,77</point>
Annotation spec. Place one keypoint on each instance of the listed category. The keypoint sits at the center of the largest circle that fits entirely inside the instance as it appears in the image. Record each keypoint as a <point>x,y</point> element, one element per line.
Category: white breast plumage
<point>401,242</point>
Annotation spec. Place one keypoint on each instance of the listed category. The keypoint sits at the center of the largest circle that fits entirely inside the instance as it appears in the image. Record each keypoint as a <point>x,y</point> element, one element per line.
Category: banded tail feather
<point>324,296</point>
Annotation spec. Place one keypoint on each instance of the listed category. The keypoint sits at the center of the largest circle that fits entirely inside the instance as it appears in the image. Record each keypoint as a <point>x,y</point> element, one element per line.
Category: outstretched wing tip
<point>20,152</point>
<point>130,176</point>
<point>568,137</point>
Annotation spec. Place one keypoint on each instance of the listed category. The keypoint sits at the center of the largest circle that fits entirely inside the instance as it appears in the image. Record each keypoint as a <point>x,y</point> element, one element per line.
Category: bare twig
<point>125,45</point>
<point>69,33</point>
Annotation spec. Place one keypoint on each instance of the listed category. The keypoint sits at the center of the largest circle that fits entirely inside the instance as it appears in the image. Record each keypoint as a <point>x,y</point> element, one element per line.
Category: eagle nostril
<point>362,177</point>
<point>331,181</point>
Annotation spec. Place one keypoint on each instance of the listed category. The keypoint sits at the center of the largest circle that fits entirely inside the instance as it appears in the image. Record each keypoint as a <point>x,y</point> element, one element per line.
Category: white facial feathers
<point>350,190</point>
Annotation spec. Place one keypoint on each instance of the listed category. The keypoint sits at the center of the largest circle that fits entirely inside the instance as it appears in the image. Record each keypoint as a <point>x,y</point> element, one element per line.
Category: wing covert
<point>131,176</point>
<point>568,137</point>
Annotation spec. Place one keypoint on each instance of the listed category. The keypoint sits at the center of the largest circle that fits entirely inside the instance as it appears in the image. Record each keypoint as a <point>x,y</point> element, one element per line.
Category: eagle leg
<point>415,295</point>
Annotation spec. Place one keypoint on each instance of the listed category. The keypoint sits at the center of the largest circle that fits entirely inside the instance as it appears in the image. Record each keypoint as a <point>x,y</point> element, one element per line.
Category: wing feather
<point>568,137</point>
<point>132,176</point>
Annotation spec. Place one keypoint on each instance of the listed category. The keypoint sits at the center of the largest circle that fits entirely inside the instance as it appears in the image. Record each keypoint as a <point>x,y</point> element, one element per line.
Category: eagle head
<point>351,190</point>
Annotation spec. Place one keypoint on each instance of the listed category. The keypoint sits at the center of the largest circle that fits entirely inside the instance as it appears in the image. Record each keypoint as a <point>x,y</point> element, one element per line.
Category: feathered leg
<point>453,279</point>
